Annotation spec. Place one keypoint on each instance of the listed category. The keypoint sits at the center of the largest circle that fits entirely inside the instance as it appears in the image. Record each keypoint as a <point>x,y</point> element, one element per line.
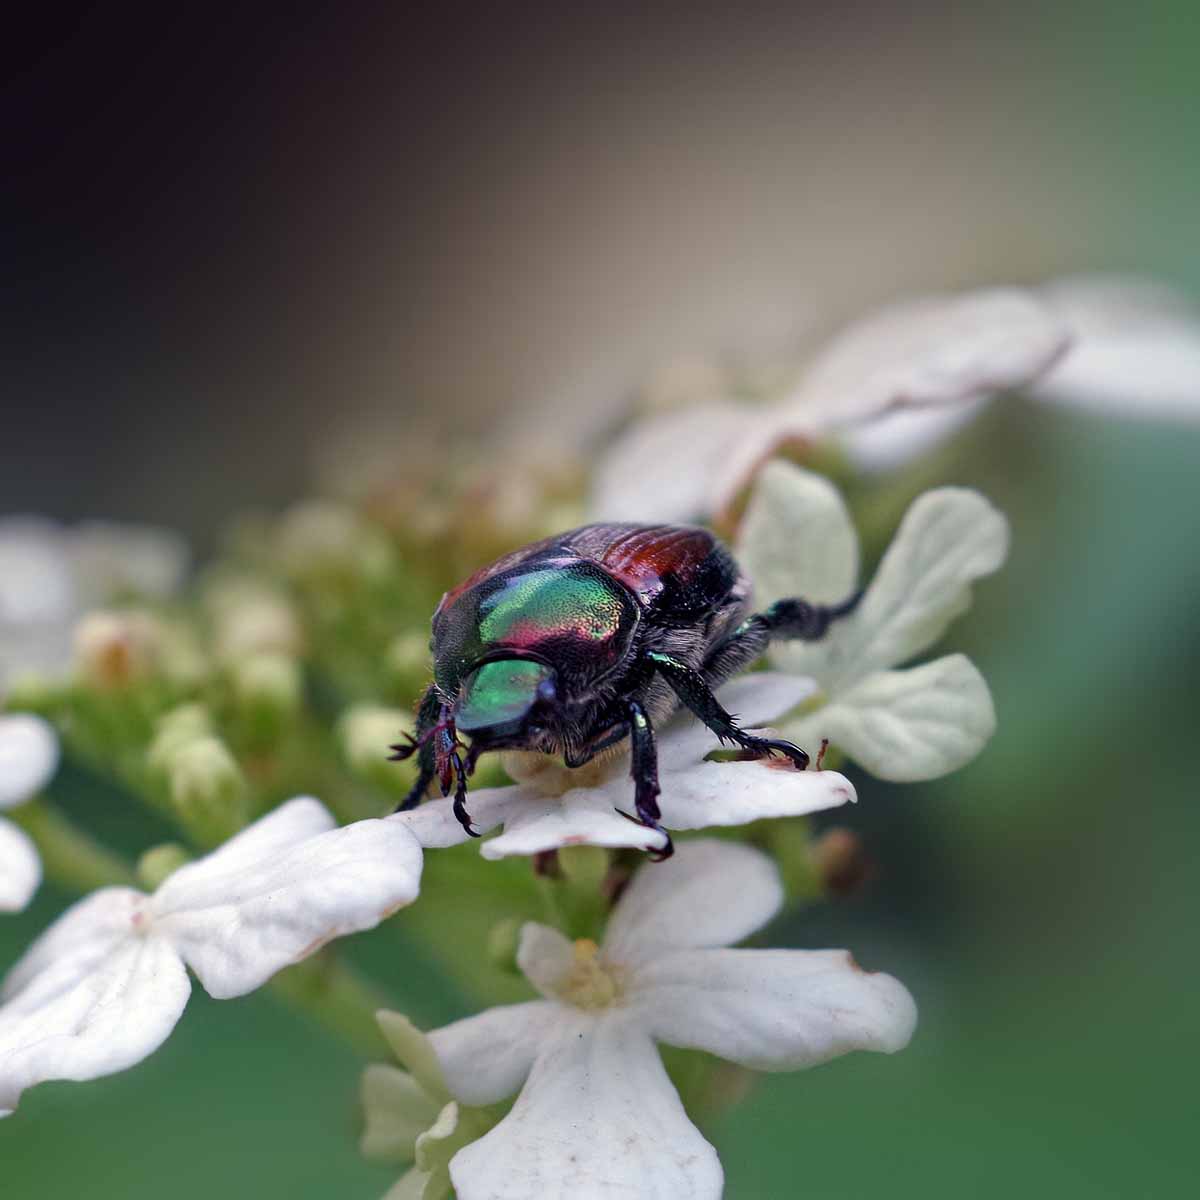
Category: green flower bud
<point>415,1052</point>
<point>268,690</point>
<point>207,789</point>
<point>159,862</point>
<point>320,539</point>
<point>176,729</point>
<point>502,941</point>
<point>397,1112</point>
<point>248,618</point>
<point>365,733</point>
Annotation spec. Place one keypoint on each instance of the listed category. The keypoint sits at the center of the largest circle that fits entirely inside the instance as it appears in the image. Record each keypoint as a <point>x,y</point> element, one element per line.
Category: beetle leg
<point>692,688</point>
<point>421,744</point>
<point>644,769</point>
<point>460,793</point>
<point>790,618</point>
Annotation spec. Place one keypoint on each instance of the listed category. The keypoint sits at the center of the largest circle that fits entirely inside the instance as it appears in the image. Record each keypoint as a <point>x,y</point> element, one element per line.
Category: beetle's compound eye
<point>497,696</point>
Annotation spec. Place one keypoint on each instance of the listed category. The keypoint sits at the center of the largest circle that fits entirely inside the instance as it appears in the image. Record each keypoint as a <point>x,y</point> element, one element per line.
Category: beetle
<point>573,644</point>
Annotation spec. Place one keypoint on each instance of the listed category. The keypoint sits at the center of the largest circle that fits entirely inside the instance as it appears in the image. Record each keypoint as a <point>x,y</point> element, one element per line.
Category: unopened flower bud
<point>319,538</point>
<point>366,732</point>
<point>207,788</point>
<point>268,690</point>
<point>115,650</point>
<point>407,657</point>
<point>176,729</point>
<point>159,862</point>
<point>502,942</point>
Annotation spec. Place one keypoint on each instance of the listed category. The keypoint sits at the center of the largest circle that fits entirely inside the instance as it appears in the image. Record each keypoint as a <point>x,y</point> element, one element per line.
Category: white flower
<point>411,1116</point>
<point>1135,352</point>
<point>1136,348</point>
<point>105,984</point>
<point>50,575</point>
<point>28,759</point>
<point>597,1114</point>
<point>939,352</point>
<point>552,806</point>
<point>797,539</point>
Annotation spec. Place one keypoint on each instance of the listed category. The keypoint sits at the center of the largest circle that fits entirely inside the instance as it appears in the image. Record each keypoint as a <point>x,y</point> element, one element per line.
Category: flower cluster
<point>290,664</point>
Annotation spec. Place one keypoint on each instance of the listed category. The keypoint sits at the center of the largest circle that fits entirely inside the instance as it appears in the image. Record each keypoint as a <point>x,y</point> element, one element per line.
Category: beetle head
<point>499,700</point>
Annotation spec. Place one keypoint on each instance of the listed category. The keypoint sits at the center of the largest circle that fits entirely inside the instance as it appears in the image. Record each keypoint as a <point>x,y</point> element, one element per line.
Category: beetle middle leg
<point>693,690</point>
<point>644,769</point>
<point>789,618</point>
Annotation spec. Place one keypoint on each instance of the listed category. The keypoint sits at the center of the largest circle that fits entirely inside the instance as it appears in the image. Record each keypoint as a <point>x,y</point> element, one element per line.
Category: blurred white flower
<point>1135,349</point>
<point>50,575</point>
<point>28,759</point>
<point>105,984</point>
<point>931,352</point>
<point>1135,352</point>
<point>597,1114</point>
<point>552,806</point>
<point>918,723</point>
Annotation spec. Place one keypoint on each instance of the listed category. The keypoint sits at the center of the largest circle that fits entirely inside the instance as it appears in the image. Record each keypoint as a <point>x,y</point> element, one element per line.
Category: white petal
<point>288,825</point>
<point>237,925</point>
<point>487,1057</point>
<point>759,698</point>
<point>20,867</point>
<point>909,725</point>
<point>92,996</point>
<point>773,1010</point>
<point>75,944</point>
<point>597,1117</point>
<point>797,538</point>
<point>934,350</point>
<point>718,794</point>
<point>711,893</point>
<point>582,817</point>
<point>1136,349</point>
<point>28,757</point>
<point>545,957</point>
<point>666,467</point>
<point>905,434</point>
<point>435,826</point>
<point>948,538</point>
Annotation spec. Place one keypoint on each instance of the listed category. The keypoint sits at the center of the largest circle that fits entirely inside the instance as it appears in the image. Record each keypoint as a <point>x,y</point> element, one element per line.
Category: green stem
<point>71,857</point>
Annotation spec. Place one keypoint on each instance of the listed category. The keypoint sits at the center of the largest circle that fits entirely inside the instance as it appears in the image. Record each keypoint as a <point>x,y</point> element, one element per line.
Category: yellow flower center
<point>591,982</point>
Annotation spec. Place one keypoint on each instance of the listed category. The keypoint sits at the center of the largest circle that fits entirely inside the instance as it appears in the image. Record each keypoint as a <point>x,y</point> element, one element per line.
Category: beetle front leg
<point>460,792</point>
<point>421,744</point>
<point>644,770</point>
<point>692,688</point>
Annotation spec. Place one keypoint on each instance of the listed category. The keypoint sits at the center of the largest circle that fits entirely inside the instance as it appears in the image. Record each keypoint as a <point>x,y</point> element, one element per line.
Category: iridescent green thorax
<point>560,611</point>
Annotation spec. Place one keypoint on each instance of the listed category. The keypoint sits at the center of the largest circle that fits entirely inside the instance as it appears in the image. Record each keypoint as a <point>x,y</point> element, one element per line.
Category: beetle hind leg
<point>789,618</point>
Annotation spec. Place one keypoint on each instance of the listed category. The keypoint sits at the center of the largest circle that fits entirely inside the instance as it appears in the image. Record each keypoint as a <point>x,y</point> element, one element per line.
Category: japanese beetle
<point>575,643</point>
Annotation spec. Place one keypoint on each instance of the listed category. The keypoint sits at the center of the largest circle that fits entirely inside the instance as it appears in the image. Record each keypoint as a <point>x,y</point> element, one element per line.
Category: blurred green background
<point>1040,904</point>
